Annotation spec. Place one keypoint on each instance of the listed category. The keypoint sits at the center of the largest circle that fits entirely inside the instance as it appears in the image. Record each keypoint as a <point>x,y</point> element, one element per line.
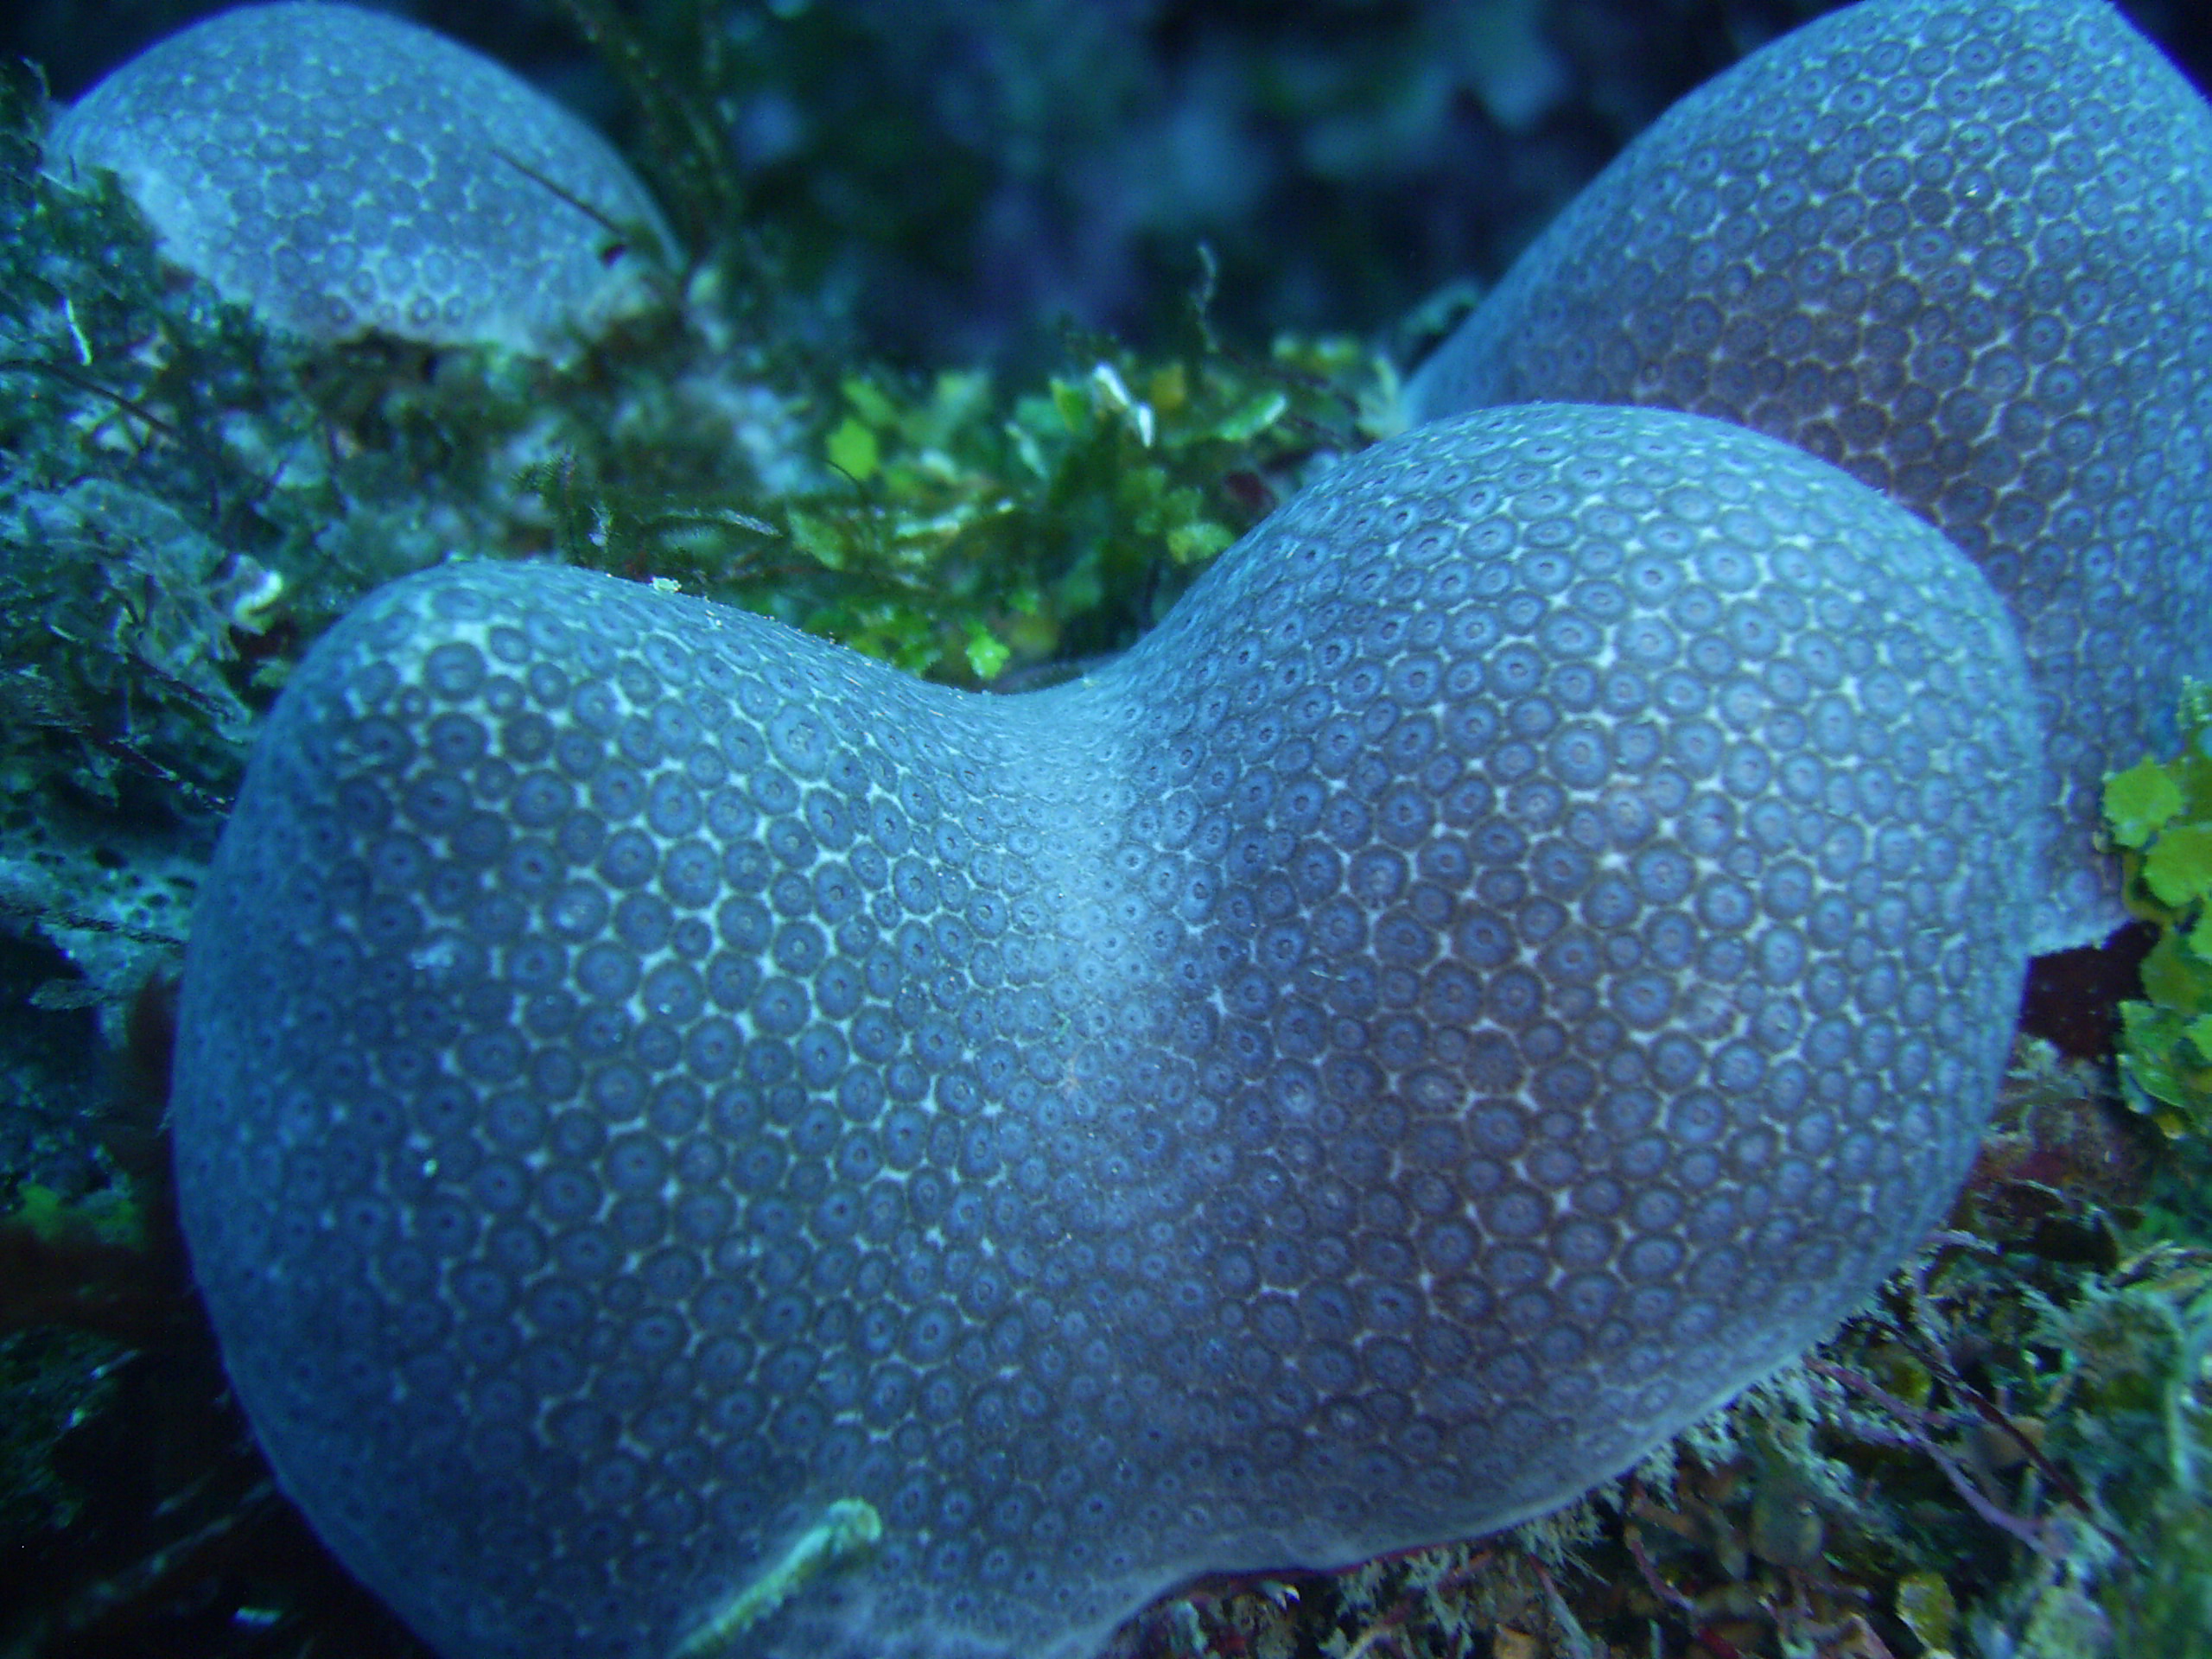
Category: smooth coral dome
<point>1527,944</point>
<point>341,171</point>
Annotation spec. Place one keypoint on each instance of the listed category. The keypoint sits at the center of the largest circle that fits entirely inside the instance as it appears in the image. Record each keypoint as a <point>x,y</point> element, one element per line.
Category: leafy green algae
<point>956,527</point>
<point>2159,817</point>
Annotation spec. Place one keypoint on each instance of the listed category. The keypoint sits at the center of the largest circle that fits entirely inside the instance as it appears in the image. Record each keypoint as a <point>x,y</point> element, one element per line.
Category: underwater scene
<point>1117,829</point>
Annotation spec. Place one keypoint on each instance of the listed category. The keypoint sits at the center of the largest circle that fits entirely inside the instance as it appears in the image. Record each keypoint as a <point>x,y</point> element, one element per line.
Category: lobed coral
<point>1509,960</point>
<point>947,483</point>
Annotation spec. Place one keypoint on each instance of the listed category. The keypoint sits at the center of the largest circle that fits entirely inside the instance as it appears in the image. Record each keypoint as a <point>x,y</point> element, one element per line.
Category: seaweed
<point>2158,814</point>
<point>956,528</point>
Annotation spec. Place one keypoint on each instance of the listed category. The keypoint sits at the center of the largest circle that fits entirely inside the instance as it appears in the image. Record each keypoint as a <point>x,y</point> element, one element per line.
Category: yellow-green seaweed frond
<point>847,1529</point>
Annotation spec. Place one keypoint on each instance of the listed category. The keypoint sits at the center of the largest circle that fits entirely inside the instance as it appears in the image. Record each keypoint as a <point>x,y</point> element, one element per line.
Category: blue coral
<point>1520,950</point>
<point>340,171</point>
<point>693,1142</point>
<point>1964,252</point>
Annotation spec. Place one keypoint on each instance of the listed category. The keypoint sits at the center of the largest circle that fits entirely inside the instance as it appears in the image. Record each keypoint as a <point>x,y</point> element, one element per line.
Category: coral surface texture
<point>696,1143</point>
<point>1963,251</point>
<point>341,171</point>
<point>1527,944</point>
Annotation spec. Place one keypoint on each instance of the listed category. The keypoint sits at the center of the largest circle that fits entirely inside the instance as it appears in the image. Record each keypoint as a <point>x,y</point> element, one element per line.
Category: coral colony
<point>697,1142</point>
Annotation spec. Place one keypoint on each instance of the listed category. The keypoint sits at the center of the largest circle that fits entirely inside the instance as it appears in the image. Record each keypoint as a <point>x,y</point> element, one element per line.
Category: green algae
<point>2158,814</point>
<point>956,527</point>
